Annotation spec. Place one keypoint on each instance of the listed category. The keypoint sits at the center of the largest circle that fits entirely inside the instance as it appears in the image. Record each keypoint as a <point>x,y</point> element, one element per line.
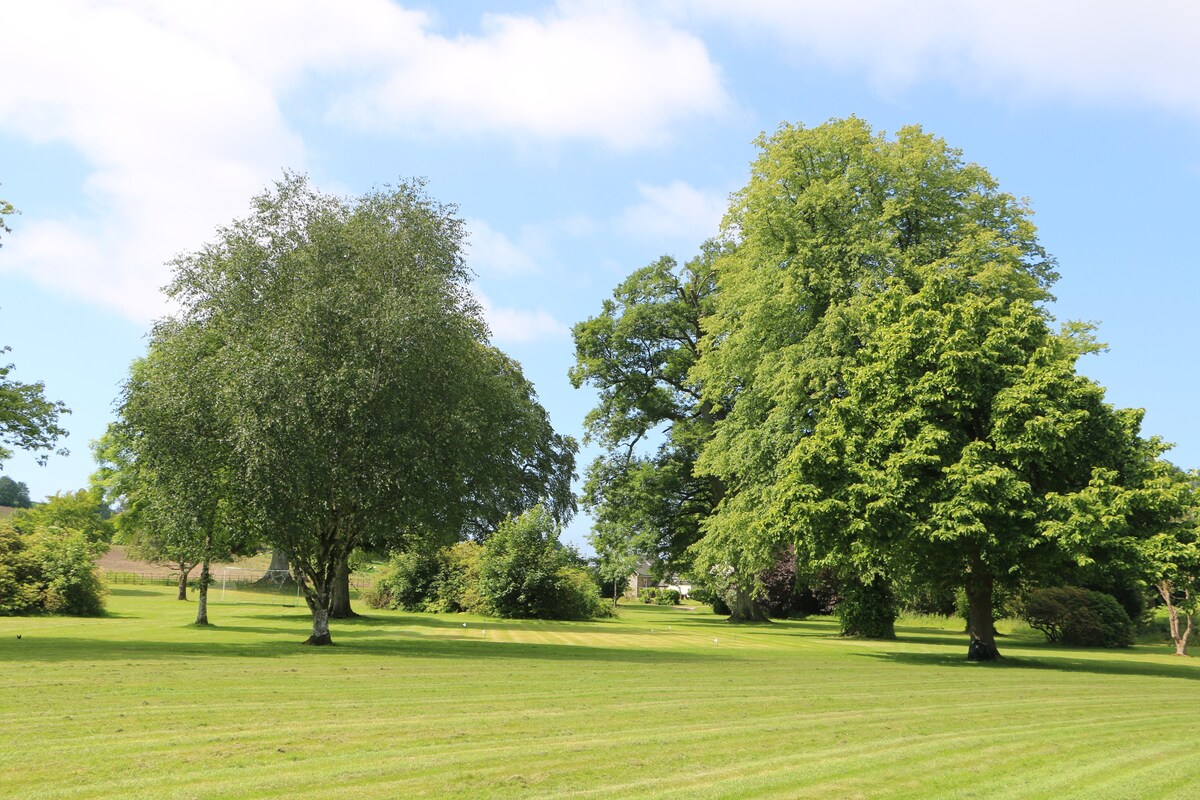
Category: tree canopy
<point>901,406</point>
<point>353,396</point>
<point>650,417</point>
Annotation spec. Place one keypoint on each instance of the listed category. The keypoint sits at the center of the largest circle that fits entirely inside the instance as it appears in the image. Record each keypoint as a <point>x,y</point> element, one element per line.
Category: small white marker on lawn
<point>715,641</point>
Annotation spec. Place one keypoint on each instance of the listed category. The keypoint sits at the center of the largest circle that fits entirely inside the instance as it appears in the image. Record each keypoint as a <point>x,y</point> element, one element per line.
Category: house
<point>643,579</point>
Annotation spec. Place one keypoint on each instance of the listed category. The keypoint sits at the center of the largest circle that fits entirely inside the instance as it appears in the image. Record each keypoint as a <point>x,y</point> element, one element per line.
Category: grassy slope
<point>140,704</point>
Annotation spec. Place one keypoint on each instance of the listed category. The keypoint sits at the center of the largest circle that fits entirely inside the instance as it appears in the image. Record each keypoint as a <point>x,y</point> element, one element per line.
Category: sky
<point>580,141</point>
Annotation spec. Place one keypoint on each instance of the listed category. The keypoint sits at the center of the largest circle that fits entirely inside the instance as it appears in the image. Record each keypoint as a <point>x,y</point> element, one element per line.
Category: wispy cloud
<point>586,71</point>
<point>520,326</point>
<point>177,108</point>
<point>1108,52</point>
<point>677,212</point>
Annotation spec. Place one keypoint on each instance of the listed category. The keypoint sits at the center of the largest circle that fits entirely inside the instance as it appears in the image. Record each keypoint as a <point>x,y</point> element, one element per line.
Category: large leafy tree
<point>346,361</point>
<point>170,459</point>
<point>904,409</point>
<point>651,418</point>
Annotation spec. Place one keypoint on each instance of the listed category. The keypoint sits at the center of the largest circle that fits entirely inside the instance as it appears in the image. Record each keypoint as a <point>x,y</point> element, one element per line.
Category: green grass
<point>660,703</point>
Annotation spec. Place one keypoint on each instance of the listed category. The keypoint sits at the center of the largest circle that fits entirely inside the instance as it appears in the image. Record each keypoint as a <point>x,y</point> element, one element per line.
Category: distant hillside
<point>6,512</point>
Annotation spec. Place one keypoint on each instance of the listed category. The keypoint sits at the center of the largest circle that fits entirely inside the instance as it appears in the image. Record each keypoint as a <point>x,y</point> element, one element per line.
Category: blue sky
<point>580,140</point>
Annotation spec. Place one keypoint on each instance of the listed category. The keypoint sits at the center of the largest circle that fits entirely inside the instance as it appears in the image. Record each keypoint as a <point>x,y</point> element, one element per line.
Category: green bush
<point>867,610</point>
<point>50,570</point>
<point>407,582</point>
<point>524,572</point>
<point>578,596</point>
<point>649,595</point>
<point>456,587</point>
<point>667,597</point>
<point>1077,616</point>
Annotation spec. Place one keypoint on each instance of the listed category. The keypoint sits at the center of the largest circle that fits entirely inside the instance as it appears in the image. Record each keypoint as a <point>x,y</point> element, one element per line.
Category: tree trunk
<point>339,604</point>
<point>1166,591</point>
<point>277,573</point>
<point>202,600</point>
<point>979,618</point>
<point>745,608</point>
<point>320,631</point>
<point>185,569</point>
<point>317,584</point>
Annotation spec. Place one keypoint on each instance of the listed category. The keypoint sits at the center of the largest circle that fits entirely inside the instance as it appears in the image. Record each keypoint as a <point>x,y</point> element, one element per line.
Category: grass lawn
<point>660,703</point>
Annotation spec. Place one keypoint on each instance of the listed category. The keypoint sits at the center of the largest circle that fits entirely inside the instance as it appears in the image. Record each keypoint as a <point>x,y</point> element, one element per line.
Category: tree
<point>173,445</point>
<point>28,420</point>
<point>13,494</point>
<point>638,353</point>
<point>618,553</point>
<point>84,511</point>
<point>1171,551</point>
<point>903,408</point>
<point>345,361</point>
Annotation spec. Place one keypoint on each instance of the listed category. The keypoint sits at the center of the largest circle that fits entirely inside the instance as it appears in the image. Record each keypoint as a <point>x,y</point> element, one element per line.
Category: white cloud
<point>177,108</point>
<point>1094,51</point>
<point>584,71</point>
<point>492,252</point>
<point>677,211</point>
<point>519,326</point>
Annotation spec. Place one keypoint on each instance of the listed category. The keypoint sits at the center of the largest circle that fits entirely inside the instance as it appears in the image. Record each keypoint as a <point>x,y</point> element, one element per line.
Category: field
<point>663,702</point>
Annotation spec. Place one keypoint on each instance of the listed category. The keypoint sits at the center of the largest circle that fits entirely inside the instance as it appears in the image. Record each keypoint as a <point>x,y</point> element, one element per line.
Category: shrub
<point>578,596</point>
<point>667,597</point>
<point>524,572</point>
<point>51,570</point>
<point>867,610</point>
<point>1077,616</point>
<point>649,595</point>
<point>406,582</point>
<point>456,587</point>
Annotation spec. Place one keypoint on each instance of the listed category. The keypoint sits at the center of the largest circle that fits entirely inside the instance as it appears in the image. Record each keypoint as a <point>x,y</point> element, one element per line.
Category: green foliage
<point>6,210</point>
<point>524,572</point>
<point>336,356</point>
<point>407,582</point>
<point>895,399</point>
<point>84,511</point>
<point>457,585</point>
<point>1077,616</point>
<point>48,570</point>
<point>13,494</point>
<point>445,581</point>
<point>867,610</point>
<point>653,595</point>
<point>28,421</point>
<point>638,354</point>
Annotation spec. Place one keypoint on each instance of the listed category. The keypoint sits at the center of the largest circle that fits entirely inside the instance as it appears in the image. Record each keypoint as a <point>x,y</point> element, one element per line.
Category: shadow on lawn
<point>1055,662</point>
<point>400,644</point>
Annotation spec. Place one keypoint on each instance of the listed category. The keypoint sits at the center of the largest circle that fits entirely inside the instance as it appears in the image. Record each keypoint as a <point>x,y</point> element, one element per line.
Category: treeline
<point>863,371</point>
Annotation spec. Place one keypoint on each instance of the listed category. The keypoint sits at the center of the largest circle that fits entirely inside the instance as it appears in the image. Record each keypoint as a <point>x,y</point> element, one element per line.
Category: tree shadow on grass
<point>1055,662</point>
<point>60,649</point>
